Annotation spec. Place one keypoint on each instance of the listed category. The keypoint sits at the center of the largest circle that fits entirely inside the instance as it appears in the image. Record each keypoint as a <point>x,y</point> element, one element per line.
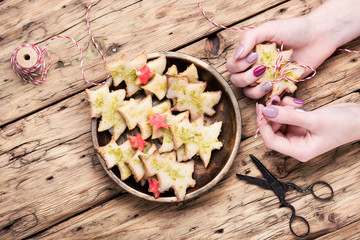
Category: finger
<point>240,65</point>
<point>274,125</point>
<point>262,33</point>
<point>274,101</point>
<point>246,78</point>
<point>290,101</point>
<point>285,115</point>
<point>277,140</point>
<point>258,91</point>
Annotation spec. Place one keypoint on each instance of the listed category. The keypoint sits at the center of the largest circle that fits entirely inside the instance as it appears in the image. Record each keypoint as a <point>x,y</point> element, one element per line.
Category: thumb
<point>262,33</point>
<point>290,116</point>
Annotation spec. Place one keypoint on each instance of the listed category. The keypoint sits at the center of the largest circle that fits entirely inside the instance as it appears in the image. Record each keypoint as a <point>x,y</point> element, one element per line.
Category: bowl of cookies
<point>166,127</point>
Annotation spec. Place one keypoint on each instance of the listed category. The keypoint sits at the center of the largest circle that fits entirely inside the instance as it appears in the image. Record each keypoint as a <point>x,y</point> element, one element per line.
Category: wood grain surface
<point>52,184</point>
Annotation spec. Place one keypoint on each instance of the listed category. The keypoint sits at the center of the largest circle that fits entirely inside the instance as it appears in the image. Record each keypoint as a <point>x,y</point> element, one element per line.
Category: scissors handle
<point>311,189</point>
<point>297,218</point>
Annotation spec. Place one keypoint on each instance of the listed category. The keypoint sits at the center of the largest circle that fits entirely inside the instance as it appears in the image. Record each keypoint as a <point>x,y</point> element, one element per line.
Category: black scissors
<point>280,190</point>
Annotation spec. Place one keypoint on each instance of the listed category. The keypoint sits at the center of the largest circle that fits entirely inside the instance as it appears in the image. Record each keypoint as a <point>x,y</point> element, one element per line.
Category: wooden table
<point>52,183</point>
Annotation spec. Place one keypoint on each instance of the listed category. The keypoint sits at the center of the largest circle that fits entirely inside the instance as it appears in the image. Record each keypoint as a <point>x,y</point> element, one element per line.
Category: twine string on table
<point>41,68</point>
<point>280,67</point>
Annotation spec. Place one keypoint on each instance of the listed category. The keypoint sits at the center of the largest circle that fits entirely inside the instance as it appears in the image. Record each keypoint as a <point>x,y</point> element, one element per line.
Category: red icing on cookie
<point>153,187</point>
<point>137,142</point>
<point>158,121</point>
<point>144,73</point>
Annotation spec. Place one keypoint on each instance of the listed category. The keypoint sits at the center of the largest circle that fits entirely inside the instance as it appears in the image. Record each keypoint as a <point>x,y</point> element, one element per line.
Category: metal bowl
<point>227,111</point>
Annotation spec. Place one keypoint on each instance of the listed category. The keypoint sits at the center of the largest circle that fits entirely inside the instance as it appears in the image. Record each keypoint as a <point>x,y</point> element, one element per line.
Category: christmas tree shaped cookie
<point>157,85</point>
<point>164,133</point>
<point>137,113</point>
<point>169,172</point>
<point>191,73</point>
<point>268,55</point>
<point>191,96</point>
<point>133,72</point>
<point>197,138</point>
<point>115,154</point>
<point>135,164</point>
<point>104,104</point>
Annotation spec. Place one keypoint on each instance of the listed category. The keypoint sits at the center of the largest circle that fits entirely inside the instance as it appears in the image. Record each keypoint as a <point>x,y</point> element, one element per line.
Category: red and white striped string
<point>220,25</point>
<point>280,73</point>
<point>280,67</point>
<point>41,68</point>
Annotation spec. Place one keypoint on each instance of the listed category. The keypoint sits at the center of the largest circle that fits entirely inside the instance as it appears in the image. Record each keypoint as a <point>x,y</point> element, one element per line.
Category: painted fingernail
<point>298,101</point>
<point>257,108</point>
<point>251,57</point>
<point>259,71</point>
<point>266,87</point>
<point>274,102</point>
<point>238,51</point>
<point>270,112</point>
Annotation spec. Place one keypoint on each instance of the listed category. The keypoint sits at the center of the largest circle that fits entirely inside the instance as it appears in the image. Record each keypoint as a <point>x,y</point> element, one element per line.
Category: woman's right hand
<point>305,135</point>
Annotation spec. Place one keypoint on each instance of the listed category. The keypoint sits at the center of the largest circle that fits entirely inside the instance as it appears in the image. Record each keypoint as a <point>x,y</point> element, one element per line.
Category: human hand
<point>309,49</point>
<point>313,38</point>
<point>305,135</point>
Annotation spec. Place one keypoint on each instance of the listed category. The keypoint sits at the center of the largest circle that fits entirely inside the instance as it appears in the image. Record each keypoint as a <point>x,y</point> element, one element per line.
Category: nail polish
<point>259,71</point>
<point>274,102</point>
<point>252,57</point>
<point>270,112</point>
<point>266,87</point>
<point>298,101</point>
<point>238,51</point>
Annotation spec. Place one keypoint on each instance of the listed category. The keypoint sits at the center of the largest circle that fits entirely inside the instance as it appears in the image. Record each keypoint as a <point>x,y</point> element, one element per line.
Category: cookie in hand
<point>268,55</point>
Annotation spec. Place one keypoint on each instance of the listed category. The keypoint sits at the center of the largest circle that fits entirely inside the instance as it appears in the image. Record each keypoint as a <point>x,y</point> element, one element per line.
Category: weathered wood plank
<point>121,26</point>
<point>350,232</point>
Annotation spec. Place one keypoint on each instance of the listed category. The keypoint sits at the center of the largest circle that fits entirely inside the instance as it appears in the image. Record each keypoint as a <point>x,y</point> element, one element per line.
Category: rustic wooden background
<point>52,184</point>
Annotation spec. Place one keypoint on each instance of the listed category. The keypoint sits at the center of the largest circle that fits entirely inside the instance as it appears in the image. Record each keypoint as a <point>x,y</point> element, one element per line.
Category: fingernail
<point>251,57</point>
<point>300,110</point>
<point>257,108</point>
<point>274,102</point>
<point>298,101</point>
<point>259,71</point>
<point>266,87</point>
<point>238,51</point>
<point>270,112</point>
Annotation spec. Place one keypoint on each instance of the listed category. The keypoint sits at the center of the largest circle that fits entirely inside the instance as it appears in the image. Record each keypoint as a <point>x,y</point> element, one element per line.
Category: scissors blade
<point>275,185</point>
<point>256,181</point>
